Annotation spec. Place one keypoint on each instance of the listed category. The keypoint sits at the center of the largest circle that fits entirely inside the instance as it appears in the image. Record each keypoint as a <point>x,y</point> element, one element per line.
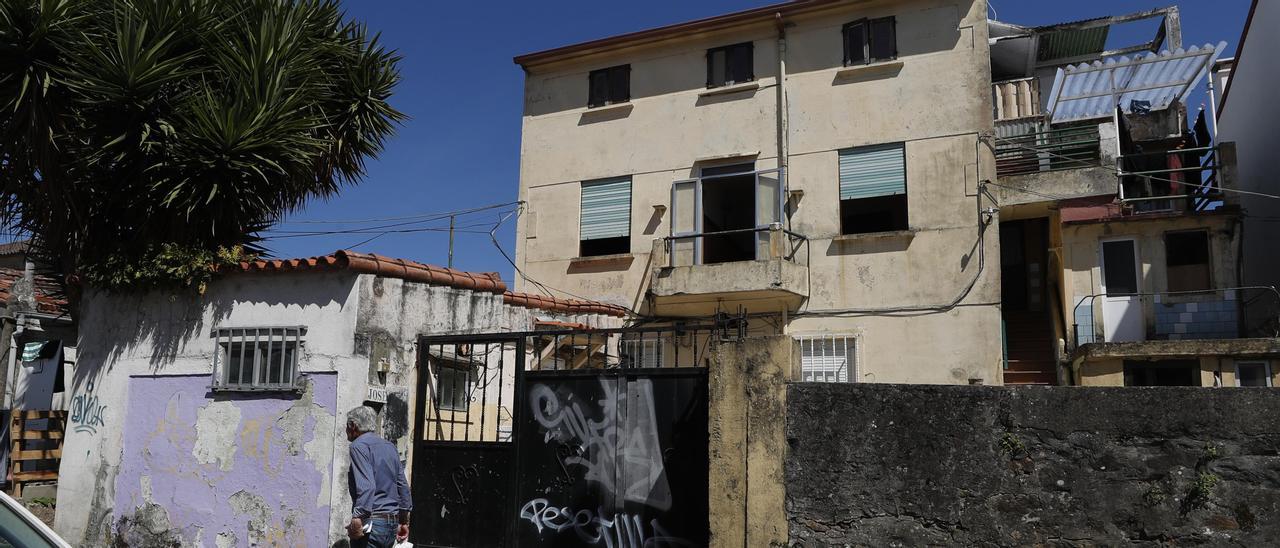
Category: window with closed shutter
<point>606,217</point>
<point>872,171</point>
<point>873,189</point>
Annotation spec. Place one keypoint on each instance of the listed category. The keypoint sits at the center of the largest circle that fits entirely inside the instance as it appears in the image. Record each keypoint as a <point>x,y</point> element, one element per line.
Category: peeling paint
<point>252,506</point>
<point>226,540</point>
<point>263,469</point>
<point>216,434</point>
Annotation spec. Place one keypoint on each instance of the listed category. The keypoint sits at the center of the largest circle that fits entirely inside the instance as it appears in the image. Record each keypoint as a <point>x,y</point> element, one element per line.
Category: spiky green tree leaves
<point>142,132</point>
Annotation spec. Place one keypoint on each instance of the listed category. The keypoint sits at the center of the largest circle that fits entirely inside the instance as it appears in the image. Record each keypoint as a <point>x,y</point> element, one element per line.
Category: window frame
<point>291,342</point>
<point>728,50</point>
<point>866,24</point>
<point>905,196</point>
<point>468,385</point>
<point>852,343</point>
<point>1208,258</point>
<point>610,74</point>
<point>623,241</point>
<point>1266,371</point>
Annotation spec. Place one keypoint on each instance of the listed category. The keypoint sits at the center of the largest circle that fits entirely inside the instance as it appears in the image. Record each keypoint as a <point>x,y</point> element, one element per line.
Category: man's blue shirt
<point>376,479</point>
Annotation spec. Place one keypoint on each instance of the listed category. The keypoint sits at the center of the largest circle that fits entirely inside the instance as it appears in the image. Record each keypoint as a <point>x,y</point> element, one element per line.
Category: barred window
<point>256,358</point>
<point>455,387</point>
<point>828,358</point>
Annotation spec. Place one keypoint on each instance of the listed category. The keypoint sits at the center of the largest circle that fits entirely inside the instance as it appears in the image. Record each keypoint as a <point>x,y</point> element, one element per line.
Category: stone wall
<point>881,465</point>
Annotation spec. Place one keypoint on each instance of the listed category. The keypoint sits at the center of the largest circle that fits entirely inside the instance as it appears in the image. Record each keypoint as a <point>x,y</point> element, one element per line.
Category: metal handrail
<point>792,236</point>
<point>1050,150</point>
<point>1196,186</point>
<point>1075,327</point>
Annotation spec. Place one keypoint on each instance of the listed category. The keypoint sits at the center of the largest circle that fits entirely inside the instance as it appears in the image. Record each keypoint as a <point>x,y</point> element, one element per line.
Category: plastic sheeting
<point>1091,90</point>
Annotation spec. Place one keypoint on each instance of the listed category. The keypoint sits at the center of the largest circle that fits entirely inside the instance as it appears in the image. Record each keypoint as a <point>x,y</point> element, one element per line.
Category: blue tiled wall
<point>1216,319</point>
<point>1084,323</point>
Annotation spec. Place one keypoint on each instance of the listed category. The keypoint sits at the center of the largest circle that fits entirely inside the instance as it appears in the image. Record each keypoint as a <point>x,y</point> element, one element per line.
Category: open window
<point>1162,373</point>
<point>873,189</point>
<point>609,86</point>
<point>605,222</point>
<point>1187,260</point>
<point>728,65</point>
<point>870,40</point>
<point>723,215</point>
<point>1253,373</point>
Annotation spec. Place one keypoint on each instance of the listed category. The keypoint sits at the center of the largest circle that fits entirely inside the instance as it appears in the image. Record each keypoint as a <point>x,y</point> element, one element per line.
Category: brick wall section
<point>881,465</point>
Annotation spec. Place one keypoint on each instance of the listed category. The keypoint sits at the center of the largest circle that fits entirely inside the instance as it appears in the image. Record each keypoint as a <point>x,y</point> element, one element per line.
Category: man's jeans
<point>382,536</point>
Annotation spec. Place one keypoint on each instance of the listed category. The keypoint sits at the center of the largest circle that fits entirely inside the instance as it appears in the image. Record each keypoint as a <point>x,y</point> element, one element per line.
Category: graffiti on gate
<point>598,528</point>
<point>607,448</point>
<point>87,412</point>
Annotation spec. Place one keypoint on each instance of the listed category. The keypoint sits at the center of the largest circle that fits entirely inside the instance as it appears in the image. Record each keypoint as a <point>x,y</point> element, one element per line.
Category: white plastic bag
<point>405,544</point>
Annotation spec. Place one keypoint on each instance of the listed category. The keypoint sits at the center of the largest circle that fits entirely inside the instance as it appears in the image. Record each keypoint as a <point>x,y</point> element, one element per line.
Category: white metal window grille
<point>828,358</point>
<point>454,386</point>
<point>642,350</point>
<point>257,358</point>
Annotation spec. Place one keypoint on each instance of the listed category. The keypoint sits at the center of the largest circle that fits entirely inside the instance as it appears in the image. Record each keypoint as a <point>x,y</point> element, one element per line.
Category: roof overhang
<point>720,22</point>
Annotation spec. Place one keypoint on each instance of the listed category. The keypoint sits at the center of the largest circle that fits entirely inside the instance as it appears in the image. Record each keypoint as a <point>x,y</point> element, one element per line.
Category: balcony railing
<point>768,242</point>
<point>1179,315</point>
<point>1051,150</point>
<point>1154,181</point>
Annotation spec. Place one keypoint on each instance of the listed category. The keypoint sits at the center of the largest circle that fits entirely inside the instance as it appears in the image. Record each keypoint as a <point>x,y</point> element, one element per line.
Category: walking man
<point>379,493</point>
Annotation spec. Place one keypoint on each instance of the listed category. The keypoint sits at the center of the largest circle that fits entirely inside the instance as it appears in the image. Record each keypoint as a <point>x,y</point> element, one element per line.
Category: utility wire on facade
<point>544,288</point>
<point>419,216</point>
<point>1152,177</point>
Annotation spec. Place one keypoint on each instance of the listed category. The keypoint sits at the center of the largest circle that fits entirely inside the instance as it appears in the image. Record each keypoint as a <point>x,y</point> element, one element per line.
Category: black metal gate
<point>562,438</point>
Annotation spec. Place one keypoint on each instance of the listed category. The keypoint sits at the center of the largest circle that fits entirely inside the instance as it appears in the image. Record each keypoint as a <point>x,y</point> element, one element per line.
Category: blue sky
<point>461,146</point>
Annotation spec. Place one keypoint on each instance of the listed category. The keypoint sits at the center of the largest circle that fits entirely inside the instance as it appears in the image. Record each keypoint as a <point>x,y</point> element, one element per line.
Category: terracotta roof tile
<point>567,306</point>
<point>49,298</point>
<point>369,263</point>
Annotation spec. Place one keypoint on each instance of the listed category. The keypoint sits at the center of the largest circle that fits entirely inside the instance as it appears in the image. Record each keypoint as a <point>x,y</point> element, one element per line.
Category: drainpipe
<point>783,115</point>
<point>20,322</point>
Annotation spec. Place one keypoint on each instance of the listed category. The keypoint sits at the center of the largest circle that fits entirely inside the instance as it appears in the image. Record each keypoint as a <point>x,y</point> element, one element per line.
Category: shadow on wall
<point>118,324</point>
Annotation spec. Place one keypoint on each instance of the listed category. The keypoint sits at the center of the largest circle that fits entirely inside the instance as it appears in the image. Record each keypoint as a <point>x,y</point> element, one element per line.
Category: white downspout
<point>783,115</point>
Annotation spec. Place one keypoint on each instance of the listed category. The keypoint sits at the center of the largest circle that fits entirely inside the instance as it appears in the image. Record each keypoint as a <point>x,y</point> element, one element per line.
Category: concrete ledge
<point>723,90</point>
<point>1178,349</point>
<point>702,289</point>
<point>843,238</point>
<point>874,69</point>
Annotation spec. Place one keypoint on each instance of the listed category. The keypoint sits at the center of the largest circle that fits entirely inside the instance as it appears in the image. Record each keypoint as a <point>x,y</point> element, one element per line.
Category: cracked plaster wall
<point>167,335</point>
<point>883,465</point>
<point>353,321</point>
<point>263,486</point>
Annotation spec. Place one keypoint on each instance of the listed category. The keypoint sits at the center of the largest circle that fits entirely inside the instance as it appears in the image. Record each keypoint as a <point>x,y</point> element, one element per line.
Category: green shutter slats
<point>606,209</point>
<point>868,172</point>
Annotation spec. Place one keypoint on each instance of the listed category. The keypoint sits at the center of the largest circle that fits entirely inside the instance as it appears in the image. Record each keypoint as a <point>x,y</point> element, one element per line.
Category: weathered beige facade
<point>922,304</point>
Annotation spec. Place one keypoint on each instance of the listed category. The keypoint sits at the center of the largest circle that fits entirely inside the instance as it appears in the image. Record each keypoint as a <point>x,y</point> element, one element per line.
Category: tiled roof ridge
<point>413,271</point>
<point>372,263</point>
<point>568,306</point>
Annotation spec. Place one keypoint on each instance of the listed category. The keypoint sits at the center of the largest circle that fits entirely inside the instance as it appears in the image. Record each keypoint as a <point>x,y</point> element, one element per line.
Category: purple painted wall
<point>230,469</point>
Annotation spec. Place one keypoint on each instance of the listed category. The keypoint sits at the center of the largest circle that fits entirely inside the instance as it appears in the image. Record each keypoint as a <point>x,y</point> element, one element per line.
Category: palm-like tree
<point>138,137</point>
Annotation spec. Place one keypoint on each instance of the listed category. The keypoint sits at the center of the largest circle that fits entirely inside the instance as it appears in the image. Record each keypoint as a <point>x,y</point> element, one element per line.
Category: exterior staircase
<point>1029,342</point>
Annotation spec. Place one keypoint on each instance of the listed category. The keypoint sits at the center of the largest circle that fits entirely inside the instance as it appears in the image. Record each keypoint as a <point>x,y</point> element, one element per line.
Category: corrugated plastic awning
<point>1092,90</point>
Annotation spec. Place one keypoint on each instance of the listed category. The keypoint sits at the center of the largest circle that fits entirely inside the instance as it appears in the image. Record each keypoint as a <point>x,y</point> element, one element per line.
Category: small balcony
<point>1034,164</point>
<point>1171,315</point>
<point>755,269</point>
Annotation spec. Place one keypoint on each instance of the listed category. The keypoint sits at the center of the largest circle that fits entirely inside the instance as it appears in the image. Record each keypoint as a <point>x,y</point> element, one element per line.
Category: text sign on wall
<point>376,395</point>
